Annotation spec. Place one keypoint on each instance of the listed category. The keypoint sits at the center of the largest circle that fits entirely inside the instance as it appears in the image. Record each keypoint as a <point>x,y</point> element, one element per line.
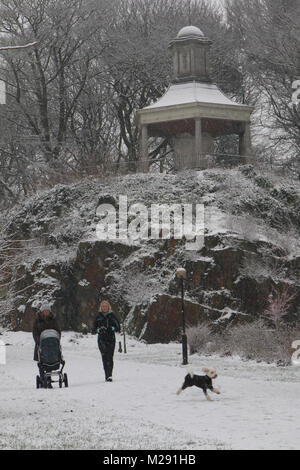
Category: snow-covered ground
<point>258,407</point>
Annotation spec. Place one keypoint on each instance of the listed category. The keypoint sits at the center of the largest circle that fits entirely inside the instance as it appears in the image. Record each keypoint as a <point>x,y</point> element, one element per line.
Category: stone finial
<point>190,51</point>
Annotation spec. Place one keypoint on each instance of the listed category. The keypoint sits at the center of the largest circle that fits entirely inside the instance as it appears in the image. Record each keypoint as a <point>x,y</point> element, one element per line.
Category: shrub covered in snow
<point>251,341</point>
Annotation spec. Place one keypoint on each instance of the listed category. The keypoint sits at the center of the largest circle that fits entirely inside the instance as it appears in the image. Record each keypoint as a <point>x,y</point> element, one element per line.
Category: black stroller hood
<point>50,350</point>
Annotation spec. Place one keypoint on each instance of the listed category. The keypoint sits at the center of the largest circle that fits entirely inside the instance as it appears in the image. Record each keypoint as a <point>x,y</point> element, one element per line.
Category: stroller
<point>50,362</point>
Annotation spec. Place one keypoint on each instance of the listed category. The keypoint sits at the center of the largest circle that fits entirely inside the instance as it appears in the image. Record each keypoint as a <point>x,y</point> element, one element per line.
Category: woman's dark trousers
<point>107,349</point>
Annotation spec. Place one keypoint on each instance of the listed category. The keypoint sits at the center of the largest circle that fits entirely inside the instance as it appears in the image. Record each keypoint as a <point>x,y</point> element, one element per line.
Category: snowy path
<point>258,407</point>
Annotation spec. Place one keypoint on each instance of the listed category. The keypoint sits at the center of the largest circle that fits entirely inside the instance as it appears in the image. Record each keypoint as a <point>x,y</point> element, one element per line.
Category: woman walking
<point>106,324</point>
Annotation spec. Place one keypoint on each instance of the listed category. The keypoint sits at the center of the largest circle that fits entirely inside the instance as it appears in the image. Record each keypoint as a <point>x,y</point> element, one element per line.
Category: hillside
<point>252,226</point>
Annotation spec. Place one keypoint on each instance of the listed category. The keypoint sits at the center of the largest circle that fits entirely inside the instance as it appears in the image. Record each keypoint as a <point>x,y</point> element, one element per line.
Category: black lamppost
<point>124,337</point>
<point>181,274</point>
<point>123,332</point>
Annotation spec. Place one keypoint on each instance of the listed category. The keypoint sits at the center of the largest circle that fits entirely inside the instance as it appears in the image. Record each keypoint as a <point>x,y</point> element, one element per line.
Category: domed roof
<point>189,31</point>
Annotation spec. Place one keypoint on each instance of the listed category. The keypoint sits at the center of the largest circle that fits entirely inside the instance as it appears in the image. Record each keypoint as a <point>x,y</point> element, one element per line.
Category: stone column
<point>144,163</point>
<point>245,143</point>
<point>197,158</point>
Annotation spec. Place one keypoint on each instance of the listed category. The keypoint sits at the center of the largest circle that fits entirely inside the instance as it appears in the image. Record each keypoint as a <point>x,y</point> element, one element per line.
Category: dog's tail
<point>191,373</point>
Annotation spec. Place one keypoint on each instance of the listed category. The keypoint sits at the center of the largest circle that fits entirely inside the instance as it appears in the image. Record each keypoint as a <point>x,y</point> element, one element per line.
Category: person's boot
<point>109,379</point>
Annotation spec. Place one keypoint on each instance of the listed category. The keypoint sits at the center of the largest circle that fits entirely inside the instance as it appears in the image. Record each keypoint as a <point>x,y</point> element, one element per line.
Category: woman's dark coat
<point>39,326</point>
<point>106,325</point>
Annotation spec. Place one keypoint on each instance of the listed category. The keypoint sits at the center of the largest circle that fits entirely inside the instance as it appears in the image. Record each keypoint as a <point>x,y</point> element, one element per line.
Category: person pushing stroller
<point>106,324</point>
<point>44,323</point>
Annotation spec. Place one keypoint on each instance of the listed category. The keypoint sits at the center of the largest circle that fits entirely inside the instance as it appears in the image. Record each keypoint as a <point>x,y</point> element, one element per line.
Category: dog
<point>201,381</point>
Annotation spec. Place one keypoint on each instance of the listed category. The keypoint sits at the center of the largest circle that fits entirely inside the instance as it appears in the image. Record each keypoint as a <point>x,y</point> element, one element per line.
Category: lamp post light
<point>181,275</point>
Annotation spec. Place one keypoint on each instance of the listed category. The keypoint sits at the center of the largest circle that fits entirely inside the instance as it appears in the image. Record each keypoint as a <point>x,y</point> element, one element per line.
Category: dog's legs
<point>180,389</point>
<point>207,396</point>
<point>216,391</point>
<point>183,387</point>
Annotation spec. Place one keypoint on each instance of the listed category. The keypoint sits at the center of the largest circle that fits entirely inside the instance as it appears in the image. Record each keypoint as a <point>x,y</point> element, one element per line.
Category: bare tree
<point>279,304</point>
<point>267,41</point>
<point>17,48</point>
<point>44,85</point>
<point>44,82</point>
<point>8,263</point>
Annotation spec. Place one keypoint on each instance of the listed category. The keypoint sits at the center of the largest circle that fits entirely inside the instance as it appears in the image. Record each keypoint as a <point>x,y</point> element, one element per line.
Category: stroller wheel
<point>60,382</point>
<point>38,382</point>
<point>66,380</point>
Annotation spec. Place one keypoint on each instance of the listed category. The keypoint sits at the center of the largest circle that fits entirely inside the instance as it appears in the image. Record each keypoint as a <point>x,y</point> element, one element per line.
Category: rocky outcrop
<point>73,288</point>
<point>142,287</point>
<point>230,279</point>
<point>161,320</point>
